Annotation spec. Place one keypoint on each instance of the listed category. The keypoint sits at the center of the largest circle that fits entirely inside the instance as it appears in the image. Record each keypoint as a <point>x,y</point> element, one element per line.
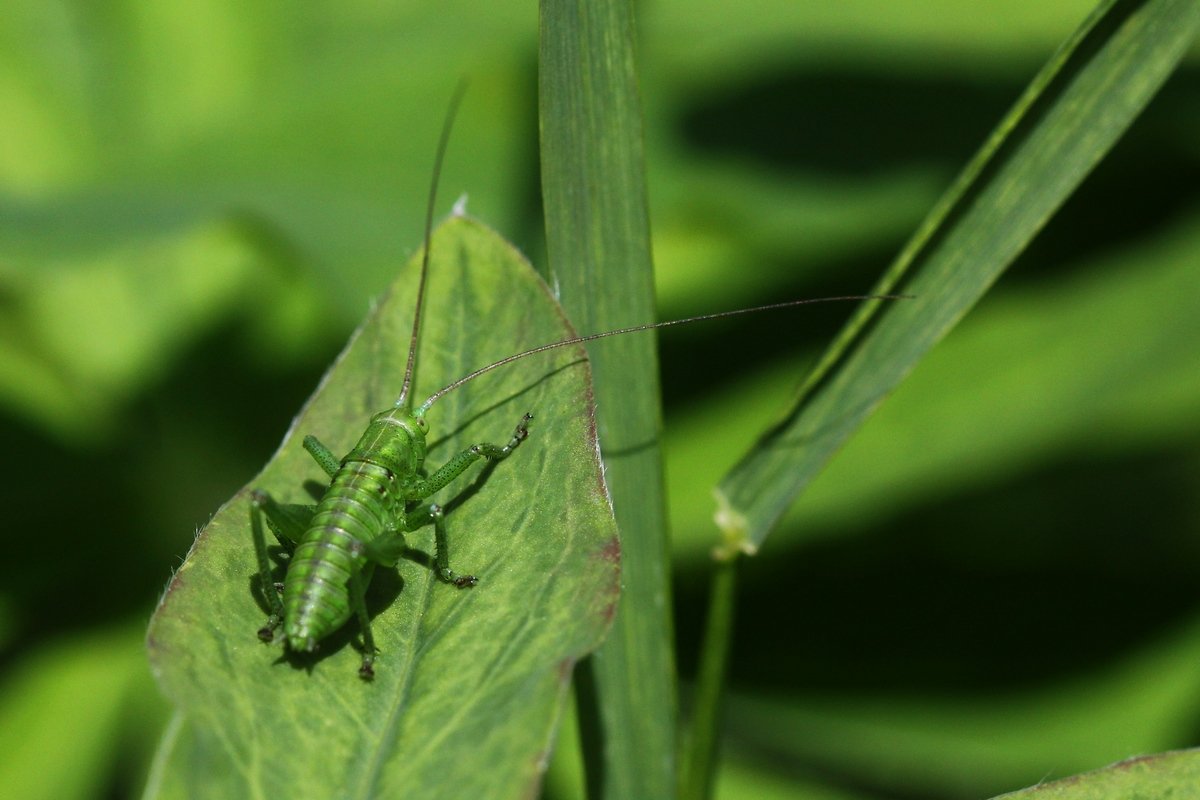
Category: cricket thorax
<point>395,440</point>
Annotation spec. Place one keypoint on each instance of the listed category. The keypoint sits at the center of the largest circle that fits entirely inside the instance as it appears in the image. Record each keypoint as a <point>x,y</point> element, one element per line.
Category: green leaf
<point>1070,116</point>
<point>469,683</point>
<point>1168,775</point>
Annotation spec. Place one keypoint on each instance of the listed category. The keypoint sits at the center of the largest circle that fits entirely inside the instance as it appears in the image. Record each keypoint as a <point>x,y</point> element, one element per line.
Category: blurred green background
<point>995,584</point>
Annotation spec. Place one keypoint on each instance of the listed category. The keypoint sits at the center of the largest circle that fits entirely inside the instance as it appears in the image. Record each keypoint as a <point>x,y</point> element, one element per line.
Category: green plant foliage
<point>599,251</point>
<point>1016,358</point>
<point>468,683</point>
<point>1066,121</point>
<point>1001,567</point>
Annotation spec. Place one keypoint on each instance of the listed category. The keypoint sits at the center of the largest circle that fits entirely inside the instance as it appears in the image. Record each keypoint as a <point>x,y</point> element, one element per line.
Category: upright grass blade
<point>598,242</point>
<point>1068,118</point>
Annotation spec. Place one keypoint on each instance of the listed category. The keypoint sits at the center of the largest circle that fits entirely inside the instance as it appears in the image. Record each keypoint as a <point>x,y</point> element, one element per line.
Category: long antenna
<point>403,401</point>
<point>647,327</point>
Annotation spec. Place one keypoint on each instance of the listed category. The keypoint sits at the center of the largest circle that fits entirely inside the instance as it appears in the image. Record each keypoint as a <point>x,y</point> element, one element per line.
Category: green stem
<point>699,757</point>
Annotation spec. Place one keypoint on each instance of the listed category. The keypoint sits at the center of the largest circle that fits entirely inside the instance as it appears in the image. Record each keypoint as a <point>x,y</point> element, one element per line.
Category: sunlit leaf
<point>468,682</point>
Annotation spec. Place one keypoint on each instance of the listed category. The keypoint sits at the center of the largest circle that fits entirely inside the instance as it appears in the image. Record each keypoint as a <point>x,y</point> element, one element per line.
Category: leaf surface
<point>468,683</point>
<point>1166,775</point>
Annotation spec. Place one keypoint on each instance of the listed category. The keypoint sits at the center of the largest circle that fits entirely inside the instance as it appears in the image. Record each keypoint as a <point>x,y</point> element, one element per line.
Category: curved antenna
<point>647,327</point>
<point>410,367</point>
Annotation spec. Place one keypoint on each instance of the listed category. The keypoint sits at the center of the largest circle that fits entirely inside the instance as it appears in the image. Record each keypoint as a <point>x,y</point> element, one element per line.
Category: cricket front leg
<point>458,464</point>
<point>322,455</point>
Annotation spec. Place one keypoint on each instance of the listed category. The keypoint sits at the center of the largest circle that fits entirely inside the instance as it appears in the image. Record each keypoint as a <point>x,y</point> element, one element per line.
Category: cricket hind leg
<point>287,523</point>
<point>358,599</point>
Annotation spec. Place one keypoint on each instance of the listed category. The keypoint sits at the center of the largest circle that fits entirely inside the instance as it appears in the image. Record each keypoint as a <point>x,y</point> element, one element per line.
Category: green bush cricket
<point>379,491</point>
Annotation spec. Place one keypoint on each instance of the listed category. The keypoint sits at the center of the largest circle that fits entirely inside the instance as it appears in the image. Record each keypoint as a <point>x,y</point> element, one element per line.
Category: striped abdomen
<point>362,502</point>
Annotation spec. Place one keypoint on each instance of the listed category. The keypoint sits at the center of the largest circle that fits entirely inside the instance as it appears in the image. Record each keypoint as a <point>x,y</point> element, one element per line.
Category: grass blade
<point>1068,118</point>
<point>598,242</point>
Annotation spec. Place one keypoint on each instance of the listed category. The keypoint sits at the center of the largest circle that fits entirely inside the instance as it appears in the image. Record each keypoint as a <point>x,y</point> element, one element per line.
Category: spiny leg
<point>458,464</point>
<point>441,556</point>
<point>441,552</point>
<point>274,601</point>
<point>358,598</point>
<point>287,524</point>
<point>520,434</point>
<point>322,455</point>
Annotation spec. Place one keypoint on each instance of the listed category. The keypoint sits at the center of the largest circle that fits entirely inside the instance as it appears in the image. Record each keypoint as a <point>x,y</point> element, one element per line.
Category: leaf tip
<point>733,525</point>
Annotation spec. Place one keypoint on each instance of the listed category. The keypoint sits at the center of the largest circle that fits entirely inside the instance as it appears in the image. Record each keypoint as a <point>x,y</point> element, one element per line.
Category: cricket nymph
<point>364,499</point>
